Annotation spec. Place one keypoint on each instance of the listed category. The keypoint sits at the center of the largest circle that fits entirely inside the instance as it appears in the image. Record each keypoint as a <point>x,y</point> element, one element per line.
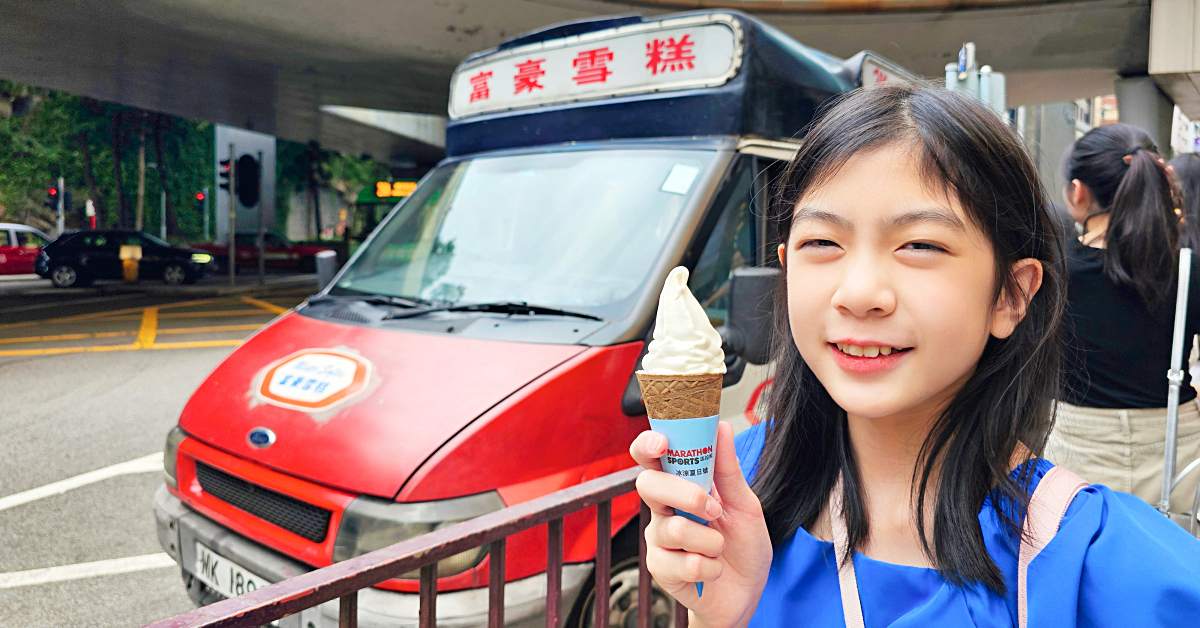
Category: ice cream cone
<point>670,397</point>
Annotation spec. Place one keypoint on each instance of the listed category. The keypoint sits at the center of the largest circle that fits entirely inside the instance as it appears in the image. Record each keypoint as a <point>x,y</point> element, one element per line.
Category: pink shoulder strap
<point>1046,509</point>
<point>1047,506</point>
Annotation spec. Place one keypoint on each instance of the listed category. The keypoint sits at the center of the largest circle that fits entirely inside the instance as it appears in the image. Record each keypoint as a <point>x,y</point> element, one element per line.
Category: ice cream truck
<point>479,349</point>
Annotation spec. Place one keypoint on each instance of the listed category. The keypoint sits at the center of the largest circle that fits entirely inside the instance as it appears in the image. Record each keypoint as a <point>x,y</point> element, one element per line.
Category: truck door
<point>732,242</point>
<point>739,237</point>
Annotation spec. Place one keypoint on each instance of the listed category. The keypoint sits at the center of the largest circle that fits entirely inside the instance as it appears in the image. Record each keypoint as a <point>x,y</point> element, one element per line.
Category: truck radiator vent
<point>289,513</point>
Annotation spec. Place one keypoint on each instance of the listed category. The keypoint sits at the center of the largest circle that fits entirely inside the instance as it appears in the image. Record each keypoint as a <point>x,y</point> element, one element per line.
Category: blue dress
<point>1115,562</point>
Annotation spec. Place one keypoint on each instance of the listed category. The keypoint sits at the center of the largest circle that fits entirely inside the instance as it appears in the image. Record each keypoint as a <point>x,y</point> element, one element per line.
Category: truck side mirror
<point>746,333</point>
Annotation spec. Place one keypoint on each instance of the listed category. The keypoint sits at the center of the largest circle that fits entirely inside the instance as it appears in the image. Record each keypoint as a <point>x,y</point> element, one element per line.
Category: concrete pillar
<point>1141,103</point>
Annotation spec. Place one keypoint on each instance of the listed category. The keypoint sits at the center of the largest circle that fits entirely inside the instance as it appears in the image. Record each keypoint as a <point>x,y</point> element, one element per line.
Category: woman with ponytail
<point>1111,418</point>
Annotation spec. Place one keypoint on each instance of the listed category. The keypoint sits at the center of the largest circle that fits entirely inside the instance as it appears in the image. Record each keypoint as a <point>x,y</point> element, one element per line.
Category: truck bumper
<point>180,527</point>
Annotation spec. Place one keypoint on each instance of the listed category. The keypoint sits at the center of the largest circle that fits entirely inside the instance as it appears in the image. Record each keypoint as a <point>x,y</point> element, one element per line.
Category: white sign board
<point>876,71</point>
<point>683,53</point>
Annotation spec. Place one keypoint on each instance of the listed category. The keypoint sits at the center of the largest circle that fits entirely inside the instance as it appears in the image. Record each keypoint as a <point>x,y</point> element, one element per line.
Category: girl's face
<point>890,287</point>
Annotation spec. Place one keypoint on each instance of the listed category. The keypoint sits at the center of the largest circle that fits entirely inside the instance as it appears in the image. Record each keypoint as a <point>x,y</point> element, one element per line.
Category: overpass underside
<point>290,67</point>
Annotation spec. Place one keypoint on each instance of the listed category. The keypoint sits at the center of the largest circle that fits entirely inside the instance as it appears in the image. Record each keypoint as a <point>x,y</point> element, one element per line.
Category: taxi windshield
<point>578,229</point>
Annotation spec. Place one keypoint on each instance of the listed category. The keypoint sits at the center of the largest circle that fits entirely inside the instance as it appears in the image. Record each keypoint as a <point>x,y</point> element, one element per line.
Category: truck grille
<point>289,513</point>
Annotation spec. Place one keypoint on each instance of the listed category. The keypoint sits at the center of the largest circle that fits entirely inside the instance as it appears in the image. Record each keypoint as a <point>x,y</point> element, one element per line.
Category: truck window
<point>569,229</point>
<point>731,244</point>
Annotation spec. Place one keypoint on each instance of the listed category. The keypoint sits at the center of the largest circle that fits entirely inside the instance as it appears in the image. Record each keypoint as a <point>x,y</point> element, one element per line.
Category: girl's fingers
<point>669,566</point>
<point>647,449</point>
<point>662,492</point>
<point>679,533</point>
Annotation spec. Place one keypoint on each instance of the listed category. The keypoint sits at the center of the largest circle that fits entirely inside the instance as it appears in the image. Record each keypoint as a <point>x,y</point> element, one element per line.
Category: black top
<point>1118,351</point>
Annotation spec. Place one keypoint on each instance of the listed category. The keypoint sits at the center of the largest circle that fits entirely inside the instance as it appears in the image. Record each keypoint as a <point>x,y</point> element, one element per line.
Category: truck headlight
<point>369,524</point>
<point>171,452</point>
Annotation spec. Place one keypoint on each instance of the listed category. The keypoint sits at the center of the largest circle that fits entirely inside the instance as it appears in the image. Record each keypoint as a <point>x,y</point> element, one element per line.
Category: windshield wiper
<point>376,299</point>
<point>499,307</point>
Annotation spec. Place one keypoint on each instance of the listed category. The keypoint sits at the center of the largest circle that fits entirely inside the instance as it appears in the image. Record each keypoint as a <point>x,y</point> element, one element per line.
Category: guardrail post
<point>644,602</point>
<point>603,577</point>
<point>681,616</point>
<point>427,615</point>
<point>496,577</point>
<point>554,561</point>
<point>348,611</point>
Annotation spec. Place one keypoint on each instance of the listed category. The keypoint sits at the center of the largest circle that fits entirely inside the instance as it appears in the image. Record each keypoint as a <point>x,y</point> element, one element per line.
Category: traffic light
<point>249,180</point>
<point>51,198</point>
<point>223,173</point>
<point>200,202</point>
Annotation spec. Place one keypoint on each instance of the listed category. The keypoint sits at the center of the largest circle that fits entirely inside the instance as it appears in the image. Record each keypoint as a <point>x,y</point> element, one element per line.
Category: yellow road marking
<point>62,350</point>
<point>213,314</point>
<point>195,345</point>
<point>160,345</point>
<point>206,330</point>
<point>119,334</point>
<point>128,310</point>
<point>149,329</point>
<point>270,307</point>
<point>103,334</point>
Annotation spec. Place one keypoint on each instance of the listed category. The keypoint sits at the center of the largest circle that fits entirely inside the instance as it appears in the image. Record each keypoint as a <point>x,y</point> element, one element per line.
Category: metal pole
<point>207,238</point>
<point>232,216</point>
<point>1175,379</point>
<point>62,192</point>
<point>162,214</point>
<point>262,230</point>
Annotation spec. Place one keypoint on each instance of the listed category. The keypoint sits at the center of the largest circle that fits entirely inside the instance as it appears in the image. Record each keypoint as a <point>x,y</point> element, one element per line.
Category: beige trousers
<point>1123,449</point>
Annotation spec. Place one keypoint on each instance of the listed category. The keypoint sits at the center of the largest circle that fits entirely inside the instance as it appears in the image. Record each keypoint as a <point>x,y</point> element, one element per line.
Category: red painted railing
<point>343,580</point>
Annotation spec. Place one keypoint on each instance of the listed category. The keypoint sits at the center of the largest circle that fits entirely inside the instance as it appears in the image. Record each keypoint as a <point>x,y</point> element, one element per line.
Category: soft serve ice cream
<point>684,343</point>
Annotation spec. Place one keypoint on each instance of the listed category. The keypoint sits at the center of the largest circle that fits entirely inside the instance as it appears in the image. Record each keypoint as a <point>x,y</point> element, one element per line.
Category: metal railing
<point>345,579</point>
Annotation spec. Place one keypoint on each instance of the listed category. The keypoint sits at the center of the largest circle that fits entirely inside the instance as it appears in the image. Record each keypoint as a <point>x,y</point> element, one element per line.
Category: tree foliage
<point>46,134</point>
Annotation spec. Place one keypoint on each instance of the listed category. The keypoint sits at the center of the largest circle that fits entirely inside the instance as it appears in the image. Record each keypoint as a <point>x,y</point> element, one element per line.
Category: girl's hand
<point>731,556</point>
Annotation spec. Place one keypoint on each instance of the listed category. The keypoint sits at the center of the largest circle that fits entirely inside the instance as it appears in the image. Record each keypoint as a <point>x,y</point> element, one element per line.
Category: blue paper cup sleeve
<point>691,449</point>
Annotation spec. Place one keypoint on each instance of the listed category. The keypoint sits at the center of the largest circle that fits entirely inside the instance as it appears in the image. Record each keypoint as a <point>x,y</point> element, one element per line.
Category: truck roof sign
<point>689,52</point>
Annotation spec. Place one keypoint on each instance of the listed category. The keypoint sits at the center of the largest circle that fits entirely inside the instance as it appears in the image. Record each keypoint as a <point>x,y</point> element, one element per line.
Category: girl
<point>1111,420</point>
<point>916,362</point>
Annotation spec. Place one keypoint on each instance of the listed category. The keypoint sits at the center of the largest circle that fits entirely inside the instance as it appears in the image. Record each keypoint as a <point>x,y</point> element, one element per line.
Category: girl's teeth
<point>867,352</point>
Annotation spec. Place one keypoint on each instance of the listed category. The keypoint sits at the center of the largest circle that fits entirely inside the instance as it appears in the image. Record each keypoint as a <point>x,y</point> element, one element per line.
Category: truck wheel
<point>199,592</point>
<point>623,590</point>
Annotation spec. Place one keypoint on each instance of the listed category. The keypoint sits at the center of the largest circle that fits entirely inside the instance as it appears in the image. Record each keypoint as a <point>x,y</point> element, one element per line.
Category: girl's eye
<point>923,246</point>
<point>817,243</point>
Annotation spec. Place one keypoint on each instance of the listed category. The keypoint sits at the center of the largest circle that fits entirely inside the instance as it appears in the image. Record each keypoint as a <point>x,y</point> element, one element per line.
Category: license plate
<point>223,575</point>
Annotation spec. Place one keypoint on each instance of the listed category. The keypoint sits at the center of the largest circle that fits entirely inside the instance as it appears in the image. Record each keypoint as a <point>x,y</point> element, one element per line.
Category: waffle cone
<point>681,396</point>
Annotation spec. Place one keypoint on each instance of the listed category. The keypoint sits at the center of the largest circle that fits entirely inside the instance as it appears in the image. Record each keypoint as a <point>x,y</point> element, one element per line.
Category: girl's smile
<point>865,357</point>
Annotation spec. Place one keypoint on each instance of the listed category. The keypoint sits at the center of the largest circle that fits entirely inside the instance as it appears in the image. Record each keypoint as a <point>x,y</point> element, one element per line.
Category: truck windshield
<point>577,229</point>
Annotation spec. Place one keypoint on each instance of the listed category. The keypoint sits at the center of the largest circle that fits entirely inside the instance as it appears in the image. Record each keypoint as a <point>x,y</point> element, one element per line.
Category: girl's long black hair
<point>1119,163</point>
<point>965,148</point>
<point>1187,177</point>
